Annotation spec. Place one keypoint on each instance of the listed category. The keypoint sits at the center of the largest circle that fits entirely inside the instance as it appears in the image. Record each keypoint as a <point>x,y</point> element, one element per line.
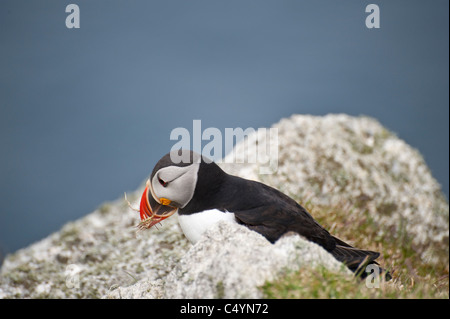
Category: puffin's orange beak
<point>145,209</point>
<point>151,211</point>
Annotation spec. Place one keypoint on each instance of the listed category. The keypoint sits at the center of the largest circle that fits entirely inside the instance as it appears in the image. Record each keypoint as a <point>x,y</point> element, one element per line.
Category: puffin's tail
<point>357,260</point>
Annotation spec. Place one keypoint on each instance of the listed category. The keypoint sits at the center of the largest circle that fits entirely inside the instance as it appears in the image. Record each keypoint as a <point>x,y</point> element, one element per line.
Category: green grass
<point>324,284</point>
<point>412,278</point>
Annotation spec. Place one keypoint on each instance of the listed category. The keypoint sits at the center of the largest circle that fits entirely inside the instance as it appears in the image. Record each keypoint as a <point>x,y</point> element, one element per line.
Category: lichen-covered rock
<point>345,161</point>
<point>232,261</point>
<point>335,161</point>
<point>89,257</point>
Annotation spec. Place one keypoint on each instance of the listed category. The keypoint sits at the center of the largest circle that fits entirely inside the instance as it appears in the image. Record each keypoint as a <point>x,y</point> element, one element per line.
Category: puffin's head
<point>170,186</point>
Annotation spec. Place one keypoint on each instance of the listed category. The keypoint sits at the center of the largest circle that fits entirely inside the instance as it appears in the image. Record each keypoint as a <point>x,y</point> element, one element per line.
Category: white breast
<point>194,225</point>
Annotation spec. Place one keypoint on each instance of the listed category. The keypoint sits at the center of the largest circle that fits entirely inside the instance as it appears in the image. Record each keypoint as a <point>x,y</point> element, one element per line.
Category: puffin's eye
<point>162,182</point>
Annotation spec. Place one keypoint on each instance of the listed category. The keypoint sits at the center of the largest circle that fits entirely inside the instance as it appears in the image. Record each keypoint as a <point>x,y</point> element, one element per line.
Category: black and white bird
<point>203,194</point>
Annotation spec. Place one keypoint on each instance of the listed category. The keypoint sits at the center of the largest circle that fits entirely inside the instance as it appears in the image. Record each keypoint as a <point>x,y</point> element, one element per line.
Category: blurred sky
<point>86,113</point>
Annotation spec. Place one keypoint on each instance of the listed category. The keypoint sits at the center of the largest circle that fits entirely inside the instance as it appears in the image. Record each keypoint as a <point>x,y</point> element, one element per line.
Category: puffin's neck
<point>210,178</point>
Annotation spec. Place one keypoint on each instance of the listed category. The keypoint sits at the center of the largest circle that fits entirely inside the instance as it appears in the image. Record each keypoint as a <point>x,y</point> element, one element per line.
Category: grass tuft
<point>412,278</point>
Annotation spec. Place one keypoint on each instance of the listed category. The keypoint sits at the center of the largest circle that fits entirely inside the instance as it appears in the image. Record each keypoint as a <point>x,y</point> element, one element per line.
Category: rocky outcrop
<point>89,257</point>
<point>231,261</point>
<point>335,160</point>
<point>345,161</point>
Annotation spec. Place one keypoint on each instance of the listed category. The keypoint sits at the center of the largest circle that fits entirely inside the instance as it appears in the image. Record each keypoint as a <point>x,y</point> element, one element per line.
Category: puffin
<point>202,194</point>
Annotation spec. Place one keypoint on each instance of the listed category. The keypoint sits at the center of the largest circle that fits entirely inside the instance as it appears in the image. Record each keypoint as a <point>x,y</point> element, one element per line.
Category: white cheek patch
<point>194,225</point>
<point>181,183</point>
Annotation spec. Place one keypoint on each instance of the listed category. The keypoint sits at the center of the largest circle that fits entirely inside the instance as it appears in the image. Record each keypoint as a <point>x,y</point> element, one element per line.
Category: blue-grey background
<point>86,113</point>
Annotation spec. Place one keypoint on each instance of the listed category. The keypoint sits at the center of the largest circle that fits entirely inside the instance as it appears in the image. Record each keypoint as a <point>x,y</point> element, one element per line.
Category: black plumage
<point>267,211</point>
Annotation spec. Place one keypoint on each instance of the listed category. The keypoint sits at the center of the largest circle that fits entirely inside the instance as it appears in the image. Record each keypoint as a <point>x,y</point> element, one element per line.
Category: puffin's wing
<point>272,222</point>
<point>277,214</point>
<point>262,220</point>
<point>272,213</point>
